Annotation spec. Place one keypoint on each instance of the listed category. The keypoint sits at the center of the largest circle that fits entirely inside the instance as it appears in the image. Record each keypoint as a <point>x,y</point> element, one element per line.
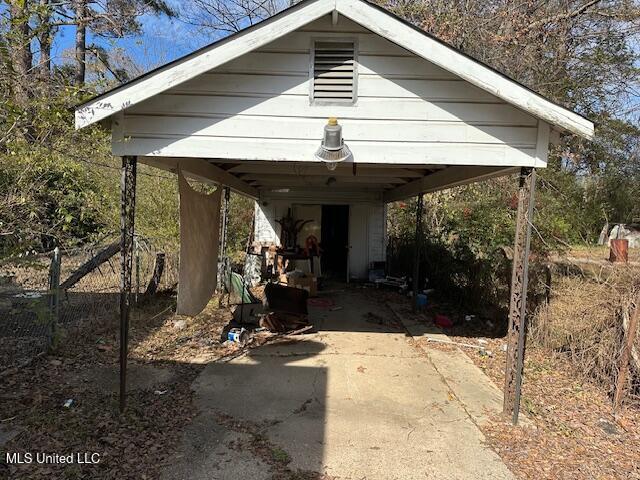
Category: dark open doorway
<point>335,240</point>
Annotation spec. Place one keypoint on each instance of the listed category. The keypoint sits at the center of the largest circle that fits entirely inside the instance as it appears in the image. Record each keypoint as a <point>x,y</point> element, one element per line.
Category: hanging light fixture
<point>332,151</point>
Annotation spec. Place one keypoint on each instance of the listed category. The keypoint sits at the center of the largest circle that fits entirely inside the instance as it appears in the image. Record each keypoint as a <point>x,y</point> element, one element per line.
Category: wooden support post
<point>127,215</point>
<point>154,283</point>
<point>627,349</point>
<point>417,248</point>
<point>518,302</point>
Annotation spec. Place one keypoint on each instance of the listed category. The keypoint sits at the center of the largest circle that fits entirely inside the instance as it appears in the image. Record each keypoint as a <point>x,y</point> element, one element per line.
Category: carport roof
<point>363,12</point>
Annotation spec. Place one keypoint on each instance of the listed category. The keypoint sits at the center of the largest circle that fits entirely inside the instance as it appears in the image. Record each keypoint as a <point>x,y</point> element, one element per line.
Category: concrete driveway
<point>354,401</point>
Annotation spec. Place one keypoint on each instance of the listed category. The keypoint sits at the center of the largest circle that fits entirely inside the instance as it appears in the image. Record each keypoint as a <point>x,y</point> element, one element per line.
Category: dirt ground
<point>576,434</point>
<point>599,253</point>
<point>134,445</point>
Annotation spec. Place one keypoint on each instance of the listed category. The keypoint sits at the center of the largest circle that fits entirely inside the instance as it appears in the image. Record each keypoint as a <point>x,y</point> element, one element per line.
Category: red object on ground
<point>443,321</point>
<point>619,252</point>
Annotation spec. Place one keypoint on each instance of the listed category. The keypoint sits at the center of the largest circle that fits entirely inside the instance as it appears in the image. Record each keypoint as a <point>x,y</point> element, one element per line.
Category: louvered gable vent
<point>334,72</point>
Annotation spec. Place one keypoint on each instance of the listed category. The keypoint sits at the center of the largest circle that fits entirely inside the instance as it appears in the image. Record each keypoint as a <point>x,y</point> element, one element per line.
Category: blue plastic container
<point>422,301</point>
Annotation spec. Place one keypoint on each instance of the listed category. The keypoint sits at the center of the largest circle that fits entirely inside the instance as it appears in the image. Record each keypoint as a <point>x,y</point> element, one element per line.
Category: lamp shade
<point>332,149</point>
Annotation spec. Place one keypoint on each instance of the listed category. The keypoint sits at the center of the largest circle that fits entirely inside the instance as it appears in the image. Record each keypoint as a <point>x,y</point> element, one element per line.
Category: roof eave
<point>369,15</point>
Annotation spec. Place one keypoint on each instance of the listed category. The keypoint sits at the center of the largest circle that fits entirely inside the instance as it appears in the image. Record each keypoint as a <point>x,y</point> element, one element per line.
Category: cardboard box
<point>308,283</point>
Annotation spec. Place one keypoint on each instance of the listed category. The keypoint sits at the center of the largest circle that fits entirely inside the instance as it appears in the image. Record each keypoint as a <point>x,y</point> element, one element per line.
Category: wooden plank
<point>368,44</point>
<point>443,179</point>
<point>324,24</point>
<point>287,168</point>
<point>304,150</point>
<point>309,195</point>
<point>406,109</point>
<point>284,63</point>
<point>368,86</point>
<point>265,178</point>
<point>386,25</point>
<point>630,333</point>
<point>311,129</point>
<point>203,170</point>
<point>542,144</point>
<point>90,265</point>
<point>201,61</point>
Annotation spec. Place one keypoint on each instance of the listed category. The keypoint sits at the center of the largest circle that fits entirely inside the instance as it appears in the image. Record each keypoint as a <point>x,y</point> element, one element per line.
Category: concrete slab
<point>209,453</point>
<point>481,398</point>
<point>355,400</point>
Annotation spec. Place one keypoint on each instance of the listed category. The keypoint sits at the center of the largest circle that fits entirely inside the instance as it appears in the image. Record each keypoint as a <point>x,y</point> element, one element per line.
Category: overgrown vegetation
<point>59,186</point>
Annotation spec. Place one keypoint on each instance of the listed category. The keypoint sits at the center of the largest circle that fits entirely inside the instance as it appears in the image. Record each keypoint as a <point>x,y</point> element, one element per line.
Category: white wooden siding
<point>257,107</point>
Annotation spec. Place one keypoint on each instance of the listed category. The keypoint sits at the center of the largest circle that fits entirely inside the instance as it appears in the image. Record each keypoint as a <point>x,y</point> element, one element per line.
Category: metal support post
<point>417,249</point>
<point>127,216</point>
<point>518,302</point>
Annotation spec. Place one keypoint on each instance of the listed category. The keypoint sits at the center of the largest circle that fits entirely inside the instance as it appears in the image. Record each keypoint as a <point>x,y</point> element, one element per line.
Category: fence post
<point>627,348</point>
<point>54,293</point>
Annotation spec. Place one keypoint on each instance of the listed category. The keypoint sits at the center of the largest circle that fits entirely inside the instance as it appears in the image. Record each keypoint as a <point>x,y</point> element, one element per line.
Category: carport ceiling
<point>394,182</point>
<point>269,175</point>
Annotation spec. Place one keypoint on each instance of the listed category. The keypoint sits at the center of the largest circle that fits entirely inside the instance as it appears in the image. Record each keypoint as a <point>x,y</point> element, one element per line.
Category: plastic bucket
<point>421,301</point>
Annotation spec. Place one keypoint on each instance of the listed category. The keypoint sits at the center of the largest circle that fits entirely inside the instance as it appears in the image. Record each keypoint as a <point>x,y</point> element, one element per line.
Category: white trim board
<point>362,12</point>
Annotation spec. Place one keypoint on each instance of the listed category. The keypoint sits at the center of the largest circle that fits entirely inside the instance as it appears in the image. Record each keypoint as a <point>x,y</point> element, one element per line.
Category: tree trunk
<point>80,7</point>
<point>44,39</point>
<point>20,50</point>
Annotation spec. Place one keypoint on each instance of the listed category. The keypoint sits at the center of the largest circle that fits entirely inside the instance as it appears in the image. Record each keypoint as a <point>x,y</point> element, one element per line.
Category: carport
<point>418,116</point>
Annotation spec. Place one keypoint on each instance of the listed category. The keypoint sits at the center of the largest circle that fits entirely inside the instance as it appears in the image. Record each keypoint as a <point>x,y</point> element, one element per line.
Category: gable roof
<point>370,16</point>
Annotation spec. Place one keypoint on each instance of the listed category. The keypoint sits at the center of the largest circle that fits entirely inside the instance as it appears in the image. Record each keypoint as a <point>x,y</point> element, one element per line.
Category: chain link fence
<point>44,297</point>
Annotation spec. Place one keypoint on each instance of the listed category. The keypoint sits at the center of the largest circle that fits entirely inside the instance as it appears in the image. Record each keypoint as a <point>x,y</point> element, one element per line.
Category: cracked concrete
<point>355,400</point>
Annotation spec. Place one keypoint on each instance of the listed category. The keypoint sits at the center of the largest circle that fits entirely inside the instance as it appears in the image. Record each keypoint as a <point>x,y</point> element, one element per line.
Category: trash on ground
<point>160,392</point>
<point>458,344</point>
<point>68,403</point>
<point>397,282</point>
<point>239,336</point>
<point>443,321</point>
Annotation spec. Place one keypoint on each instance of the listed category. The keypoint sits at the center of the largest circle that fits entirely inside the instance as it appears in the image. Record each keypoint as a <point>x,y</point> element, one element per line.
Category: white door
<point>358,241</point>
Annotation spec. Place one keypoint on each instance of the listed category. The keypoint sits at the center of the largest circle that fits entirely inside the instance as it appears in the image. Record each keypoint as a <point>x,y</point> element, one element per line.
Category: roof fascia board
<point>476,73</point>
<point>200,62</point>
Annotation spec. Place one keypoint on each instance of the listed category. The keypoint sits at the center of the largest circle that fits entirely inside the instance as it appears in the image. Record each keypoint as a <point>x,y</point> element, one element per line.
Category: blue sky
<point>162,40</point>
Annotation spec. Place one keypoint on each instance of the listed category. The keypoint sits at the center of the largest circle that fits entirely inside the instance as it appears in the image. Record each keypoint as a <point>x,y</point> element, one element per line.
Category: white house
<point>419,116</point>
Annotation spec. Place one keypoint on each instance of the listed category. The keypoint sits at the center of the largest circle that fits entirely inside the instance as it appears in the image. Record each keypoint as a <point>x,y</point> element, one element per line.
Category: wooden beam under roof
<point>321,170</point>
<point>203,170</point>
<point>320,180</point>
<point>447,178</point>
